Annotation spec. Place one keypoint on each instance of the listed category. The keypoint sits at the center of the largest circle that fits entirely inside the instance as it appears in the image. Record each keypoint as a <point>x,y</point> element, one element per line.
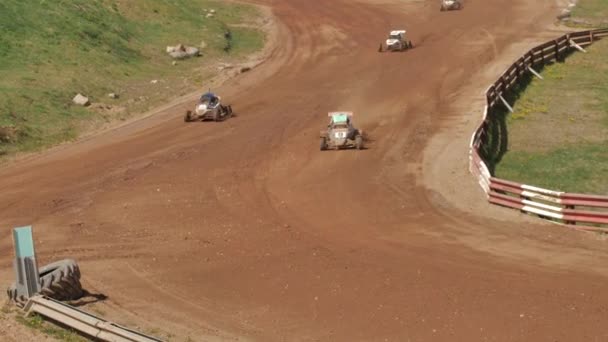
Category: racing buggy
<point>341,133</point>
<point>209,107</point>
<point>396,42</point>
<point>450,5</point>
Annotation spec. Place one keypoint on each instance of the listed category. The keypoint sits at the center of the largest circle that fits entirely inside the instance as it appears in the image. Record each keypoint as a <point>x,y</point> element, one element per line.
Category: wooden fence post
<point>576,46</point>
<point>535,73</point>
<point>506,103</point>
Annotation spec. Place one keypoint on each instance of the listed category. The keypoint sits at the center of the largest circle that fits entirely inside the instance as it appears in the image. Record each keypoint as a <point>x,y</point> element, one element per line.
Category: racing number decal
<point>340,135</point>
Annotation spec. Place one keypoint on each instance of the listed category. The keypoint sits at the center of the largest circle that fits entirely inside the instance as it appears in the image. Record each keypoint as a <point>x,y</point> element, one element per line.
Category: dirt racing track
<point>242,230</point>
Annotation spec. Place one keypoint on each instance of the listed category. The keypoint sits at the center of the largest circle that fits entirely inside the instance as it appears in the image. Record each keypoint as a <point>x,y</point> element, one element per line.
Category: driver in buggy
<point>331,123</point>
<point>351,130</point>
<point>211,99</point>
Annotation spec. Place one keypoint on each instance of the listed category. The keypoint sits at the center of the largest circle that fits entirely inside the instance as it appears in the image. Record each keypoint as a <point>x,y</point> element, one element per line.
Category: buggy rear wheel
<point>359,142</point>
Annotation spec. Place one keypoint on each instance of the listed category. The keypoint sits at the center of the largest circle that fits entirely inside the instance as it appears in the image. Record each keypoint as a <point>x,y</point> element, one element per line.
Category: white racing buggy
<point>396,41</point>
<point>209,107</point>
<point>450,5</point>
<point>341,133</point>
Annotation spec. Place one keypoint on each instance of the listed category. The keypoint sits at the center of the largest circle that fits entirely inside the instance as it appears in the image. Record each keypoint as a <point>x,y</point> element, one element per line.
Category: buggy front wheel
<point>187,117</point>
<point>323,144</point>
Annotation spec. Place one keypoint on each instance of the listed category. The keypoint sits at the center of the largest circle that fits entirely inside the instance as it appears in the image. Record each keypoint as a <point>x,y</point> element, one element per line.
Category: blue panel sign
<point>24,243</point>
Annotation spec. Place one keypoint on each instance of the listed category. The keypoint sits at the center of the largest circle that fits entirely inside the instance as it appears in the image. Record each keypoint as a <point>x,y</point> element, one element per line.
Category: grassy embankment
<point>50,51</point>
<point>558,135</point>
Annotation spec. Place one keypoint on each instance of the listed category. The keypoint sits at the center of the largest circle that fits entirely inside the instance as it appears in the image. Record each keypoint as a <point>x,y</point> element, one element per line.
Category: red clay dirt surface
<point>243,231</point>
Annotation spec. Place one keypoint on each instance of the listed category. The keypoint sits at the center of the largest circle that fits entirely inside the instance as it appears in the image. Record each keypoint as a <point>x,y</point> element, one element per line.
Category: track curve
<point>243,230</point>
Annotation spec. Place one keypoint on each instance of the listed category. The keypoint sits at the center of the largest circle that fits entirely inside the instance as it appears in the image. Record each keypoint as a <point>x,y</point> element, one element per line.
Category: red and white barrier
<point>546,203</point>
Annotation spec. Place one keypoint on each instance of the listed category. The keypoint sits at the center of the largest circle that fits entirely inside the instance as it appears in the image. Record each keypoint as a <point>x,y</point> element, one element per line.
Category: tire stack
<point>59,280</point>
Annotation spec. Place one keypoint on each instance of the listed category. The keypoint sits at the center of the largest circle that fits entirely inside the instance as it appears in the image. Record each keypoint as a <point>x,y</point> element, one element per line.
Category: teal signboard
<point>24,243</point>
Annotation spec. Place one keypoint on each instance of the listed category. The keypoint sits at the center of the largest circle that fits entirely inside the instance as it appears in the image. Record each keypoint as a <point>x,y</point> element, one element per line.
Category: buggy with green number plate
<point>341,133</point>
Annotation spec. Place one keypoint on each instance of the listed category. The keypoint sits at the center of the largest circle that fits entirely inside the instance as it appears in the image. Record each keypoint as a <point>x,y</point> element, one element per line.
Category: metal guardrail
<point>84,322</point>
<point>553,205</point>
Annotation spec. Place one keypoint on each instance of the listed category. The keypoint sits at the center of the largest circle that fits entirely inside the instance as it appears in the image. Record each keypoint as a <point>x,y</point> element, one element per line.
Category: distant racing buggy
<point>341,133</point>
<point>396,41</point>
<point>450,5</point>
<point>209,107</point>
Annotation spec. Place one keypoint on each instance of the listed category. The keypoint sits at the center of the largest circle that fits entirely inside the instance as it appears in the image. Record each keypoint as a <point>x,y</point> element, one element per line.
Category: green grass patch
<point>51,51</point>
<point>589,13</point>
<point>578,168</point>
<point>591,9</point>
<point>246,41</point>
<point>558,134</point>
<point>39,324</point>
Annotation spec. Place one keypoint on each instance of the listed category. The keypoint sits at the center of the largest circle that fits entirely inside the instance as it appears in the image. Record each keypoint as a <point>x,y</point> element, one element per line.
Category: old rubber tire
<point>59,280</point>
<point>359,142</point>
<point>323,144</point>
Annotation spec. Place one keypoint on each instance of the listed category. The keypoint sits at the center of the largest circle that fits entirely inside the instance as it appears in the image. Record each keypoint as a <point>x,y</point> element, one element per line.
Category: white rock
<point>192,51</point>
<point>81,100</point>
<point>180,52</point>
<point>564,14</point>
